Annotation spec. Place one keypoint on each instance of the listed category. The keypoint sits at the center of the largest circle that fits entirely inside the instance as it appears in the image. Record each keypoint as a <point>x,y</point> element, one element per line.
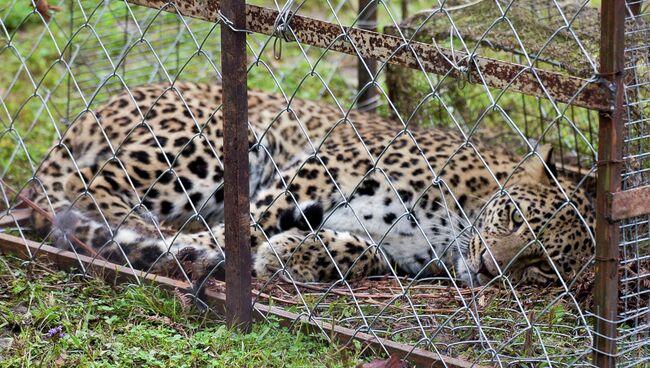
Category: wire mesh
<point>548,44</point>
<point>397,207</point>
<point>634,304</point>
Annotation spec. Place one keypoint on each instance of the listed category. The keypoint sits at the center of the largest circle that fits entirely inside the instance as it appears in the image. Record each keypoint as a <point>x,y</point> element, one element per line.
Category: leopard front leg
<point>325,256</point>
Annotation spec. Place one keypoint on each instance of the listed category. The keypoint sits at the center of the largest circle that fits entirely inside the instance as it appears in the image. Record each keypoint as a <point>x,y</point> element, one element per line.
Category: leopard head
<point>537,230</point>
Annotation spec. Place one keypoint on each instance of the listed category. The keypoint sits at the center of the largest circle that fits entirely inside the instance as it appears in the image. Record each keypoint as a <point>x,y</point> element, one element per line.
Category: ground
<point>106,326</point>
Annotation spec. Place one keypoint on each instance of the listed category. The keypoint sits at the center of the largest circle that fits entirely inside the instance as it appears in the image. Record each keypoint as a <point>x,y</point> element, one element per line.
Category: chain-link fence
<point>634,298</point>
<point>422,177</point>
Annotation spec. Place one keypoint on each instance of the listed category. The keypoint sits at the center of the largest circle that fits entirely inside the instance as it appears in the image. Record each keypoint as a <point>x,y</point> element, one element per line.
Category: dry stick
<point>284,291</point>
<point>322,289</point>
<point>371,298</point>
<point>345,292</point>
<point>50,219</point>
<point>275,298</point>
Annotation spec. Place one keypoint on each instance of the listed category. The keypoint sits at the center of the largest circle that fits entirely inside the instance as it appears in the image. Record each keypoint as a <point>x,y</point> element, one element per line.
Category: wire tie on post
<point>277,48</point>
<point>608,259</point>
<point>606,80</point>
<point>471,58</point>
<point>228,23</point>
<point>282,31</point>
<point>600,163</point>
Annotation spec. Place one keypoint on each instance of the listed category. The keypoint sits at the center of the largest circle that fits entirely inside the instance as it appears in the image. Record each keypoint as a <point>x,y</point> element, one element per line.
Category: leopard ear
<point>541,170</point>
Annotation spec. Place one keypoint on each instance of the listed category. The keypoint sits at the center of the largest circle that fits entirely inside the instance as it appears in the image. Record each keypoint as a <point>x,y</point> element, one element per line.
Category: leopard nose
<point>486,266</point>
<point>481,267</point>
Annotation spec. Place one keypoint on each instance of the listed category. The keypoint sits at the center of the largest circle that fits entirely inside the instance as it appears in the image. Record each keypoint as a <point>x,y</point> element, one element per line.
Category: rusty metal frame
<point>18,217</point>
<point>385,48</point>
<point>610,153</point>
<point>628,203</point>
<point>116,274</point>
<point>236,183</point>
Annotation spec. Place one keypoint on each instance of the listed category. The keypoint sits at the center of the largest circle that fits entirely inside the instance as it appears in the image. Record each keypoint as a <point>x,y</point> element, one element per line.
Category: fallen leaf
<point>481,301</point>
<point>46,9</point>
<point>60,361</point>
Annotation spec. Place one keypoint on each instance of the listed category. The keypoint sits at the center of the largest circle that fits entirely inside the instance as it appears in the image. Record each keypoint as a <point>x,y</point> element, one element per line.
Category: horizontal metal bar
<point>113,273</point>
<point>416,55</point>
<point>67,260</point>
<point>15,217</point>
<point>629,203</point>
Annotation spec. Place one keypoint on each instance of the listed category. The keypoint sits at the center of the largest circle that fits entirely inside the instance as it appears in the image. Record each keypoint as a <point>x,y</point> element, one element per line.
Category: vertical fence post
<point>610,144</point>
<point>235,140</point>
<point>366,68</point>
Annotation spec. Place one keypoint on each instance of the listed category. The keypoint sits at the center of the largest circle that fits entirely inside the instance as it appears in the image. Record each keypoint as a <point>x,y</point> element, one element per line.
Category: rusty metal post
<point>236,189</point>
<point>610,138</point>
<point>366,68</point>
<point>405,9</point>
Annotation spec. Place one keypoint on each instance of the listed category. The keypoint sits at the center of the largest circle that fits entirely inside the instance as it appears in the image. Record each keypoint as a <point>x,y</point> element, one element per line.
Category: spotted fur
<point>131,179</point>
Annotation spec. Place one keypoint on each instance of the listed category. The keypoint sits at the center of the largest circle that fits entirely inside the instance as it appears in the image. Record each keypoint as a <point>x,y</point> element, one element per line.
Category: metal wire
<point>634,305</point>
<point>108,47</point>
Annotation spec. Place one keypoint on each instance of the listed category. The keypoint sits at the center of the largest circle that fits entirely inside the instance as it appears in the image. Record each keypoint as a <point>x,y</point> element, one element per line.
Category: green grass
<point>28,73</point>
<point>15,13</point>
<point>126,326</point>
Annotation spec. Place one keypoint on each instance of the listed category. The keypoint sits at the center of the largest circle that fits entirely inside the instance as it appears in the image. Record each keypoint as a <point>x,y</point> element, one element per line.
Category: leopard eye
<point>517,218</point>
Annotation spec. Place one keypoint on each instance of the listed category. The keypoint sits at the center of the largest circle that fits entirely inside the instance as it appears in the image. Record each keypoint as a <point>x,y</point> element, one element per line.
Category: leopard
<point>335,193</point>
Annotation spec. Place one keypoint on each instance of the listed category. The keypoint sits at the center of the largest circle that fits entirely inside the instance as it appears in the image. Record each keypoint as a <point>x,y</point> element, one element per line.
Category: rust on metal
<point>66,260</point>
<point>405,9</point>
<point>14,217</point>
<point>629,203</point>
<point>367,67</point>
<point>236,185</point>
<point>114,273</point>
<point>416,55</point>
<point>610,152</point>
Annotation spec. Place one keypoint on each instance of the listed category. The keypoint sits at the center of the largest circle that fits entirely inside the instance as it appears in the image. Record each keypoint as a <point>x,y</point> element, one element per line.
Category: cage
<point>516,74</point>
